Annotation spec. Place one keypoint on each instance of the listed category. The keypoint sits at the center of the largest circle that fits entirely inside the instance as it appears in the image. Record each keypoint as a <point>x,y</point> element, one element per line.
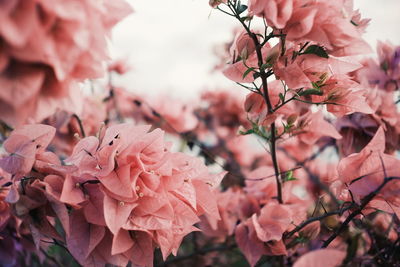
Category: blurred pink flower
<point>49,46</point>
<point>327,257</point>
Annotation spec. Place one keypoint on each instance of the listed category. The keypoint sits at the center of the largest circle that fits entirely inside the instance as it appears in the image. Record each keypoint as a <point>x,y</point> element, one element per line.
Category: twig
<point>82,130</point>
<point>358,211</point>
<point>317,218</point>
<point>264,75</point>
<point>314,179</point>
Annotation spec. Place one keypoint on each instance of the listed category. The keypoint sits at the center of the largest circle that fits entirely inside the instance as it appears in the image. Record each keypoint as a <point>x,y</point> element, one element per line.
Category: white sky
<point>169,42</point>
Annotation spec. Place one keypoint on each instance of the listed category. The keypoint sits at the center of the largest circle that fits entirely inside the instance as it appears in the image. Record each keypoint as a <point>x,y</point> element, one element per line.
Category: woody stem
<point>264,76</point>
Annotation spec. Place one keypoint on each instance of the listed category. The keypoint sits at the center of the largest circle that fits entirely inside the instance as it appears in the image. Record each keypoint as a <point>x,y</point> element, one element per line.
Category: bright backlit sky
<point>169,42</point>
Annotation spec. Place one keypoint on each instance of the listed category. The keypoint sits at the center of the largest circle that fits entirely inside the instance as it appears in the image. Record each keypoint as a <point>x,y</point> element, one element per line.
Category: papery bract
<point>323,257</point>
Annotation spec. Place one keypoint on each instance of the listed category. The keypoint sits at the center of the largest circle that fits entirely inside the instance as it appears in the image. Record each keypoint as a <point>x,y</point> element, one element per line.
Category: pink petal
<point>116,213</point>
<point>122,241</point>
<point>324,257</point>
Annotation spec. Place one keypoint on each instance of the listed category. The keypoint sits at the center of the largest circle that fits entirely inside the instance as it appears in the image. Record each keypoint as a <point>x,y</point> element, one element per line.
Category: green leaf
<point>316,50</point>
<point>241,9</point>
<point>251,131</point>
<point>301,240</point>
<point>266,66</point>
<point>315,85</point>
<point>281,97</point>
<point>289,176</point>
<point>312,91</point>
<point>247,72</point>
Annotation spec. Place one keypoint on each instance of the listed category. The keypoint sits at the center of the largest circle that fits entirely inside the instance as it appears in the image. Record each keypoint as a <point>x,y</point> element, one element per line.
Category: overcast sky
<point>169,42</point>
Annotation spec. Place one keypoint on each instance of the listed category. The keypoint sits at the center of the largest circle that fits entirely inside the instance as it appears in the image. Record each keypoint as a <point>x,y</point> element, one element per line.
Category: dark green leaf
<point>301,239</point>
<point>316,50</point>
<point>266,66</point>
<point>241,9</point>
<point>247,72</point>
<point>251,131</point>
<point>312,91</point>
<point>315,85</point>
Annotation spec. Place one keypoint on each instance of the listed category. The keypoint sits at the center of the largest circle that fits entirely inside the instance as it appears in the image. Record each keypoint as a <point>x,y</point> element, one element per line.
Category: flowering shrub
<point>89,178</point>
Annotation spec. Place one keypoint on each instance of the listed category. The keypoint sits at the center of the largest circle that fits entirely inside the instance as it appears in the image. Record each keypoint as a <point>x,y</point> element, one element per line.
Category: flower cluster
<point>121,196</point>
<point>46,48</point>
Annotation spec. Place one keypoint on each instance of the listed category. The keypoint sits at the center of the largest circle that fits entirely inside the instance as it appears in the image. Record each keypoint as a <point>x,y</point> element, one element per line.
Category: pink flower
<point>147,191</point>
<point>23,146</point>
<point>273,221</point>
<point>312,127</point>
<point>358,129</point>
<point>5,211</point>
<point>248,243</point>
<point>175,113</point>
<point>329,24</point>
<point>49,46</point>
<point>365,171</point>
<point>384,72</point>
<point>276,12</point>
<point>335,25</point>
<point>243,46</point>
<point>230,203</point>
<point>323,257</point>
<point>343,96</point>
<point>226,107</point>
<point>262,234</point>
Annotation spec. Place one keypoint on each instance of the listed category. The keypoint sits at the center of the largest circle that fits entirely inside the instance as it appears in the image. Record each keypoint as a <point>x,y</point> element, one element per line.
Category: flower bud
<point>291,119</point>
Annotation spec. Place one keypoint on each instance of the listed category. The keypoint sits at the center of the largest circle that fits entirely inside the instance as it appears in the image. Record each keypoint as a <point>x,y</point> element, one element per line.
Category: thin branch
<point>314,179</point>
<point>317,218</point>
<point>264,75</point>
<point>82,130</point>
<point>358,211</point>
<point>251,89</point>
<point>223,11</point>
<point>272,175</point>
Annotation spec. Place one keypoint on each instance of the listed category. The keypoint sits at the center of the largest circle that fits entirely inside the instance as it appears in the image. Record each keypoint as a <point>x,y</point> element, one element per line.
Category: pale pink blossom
<point>48,47</point>
<point>147,190</point>
<point>324,257</point>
